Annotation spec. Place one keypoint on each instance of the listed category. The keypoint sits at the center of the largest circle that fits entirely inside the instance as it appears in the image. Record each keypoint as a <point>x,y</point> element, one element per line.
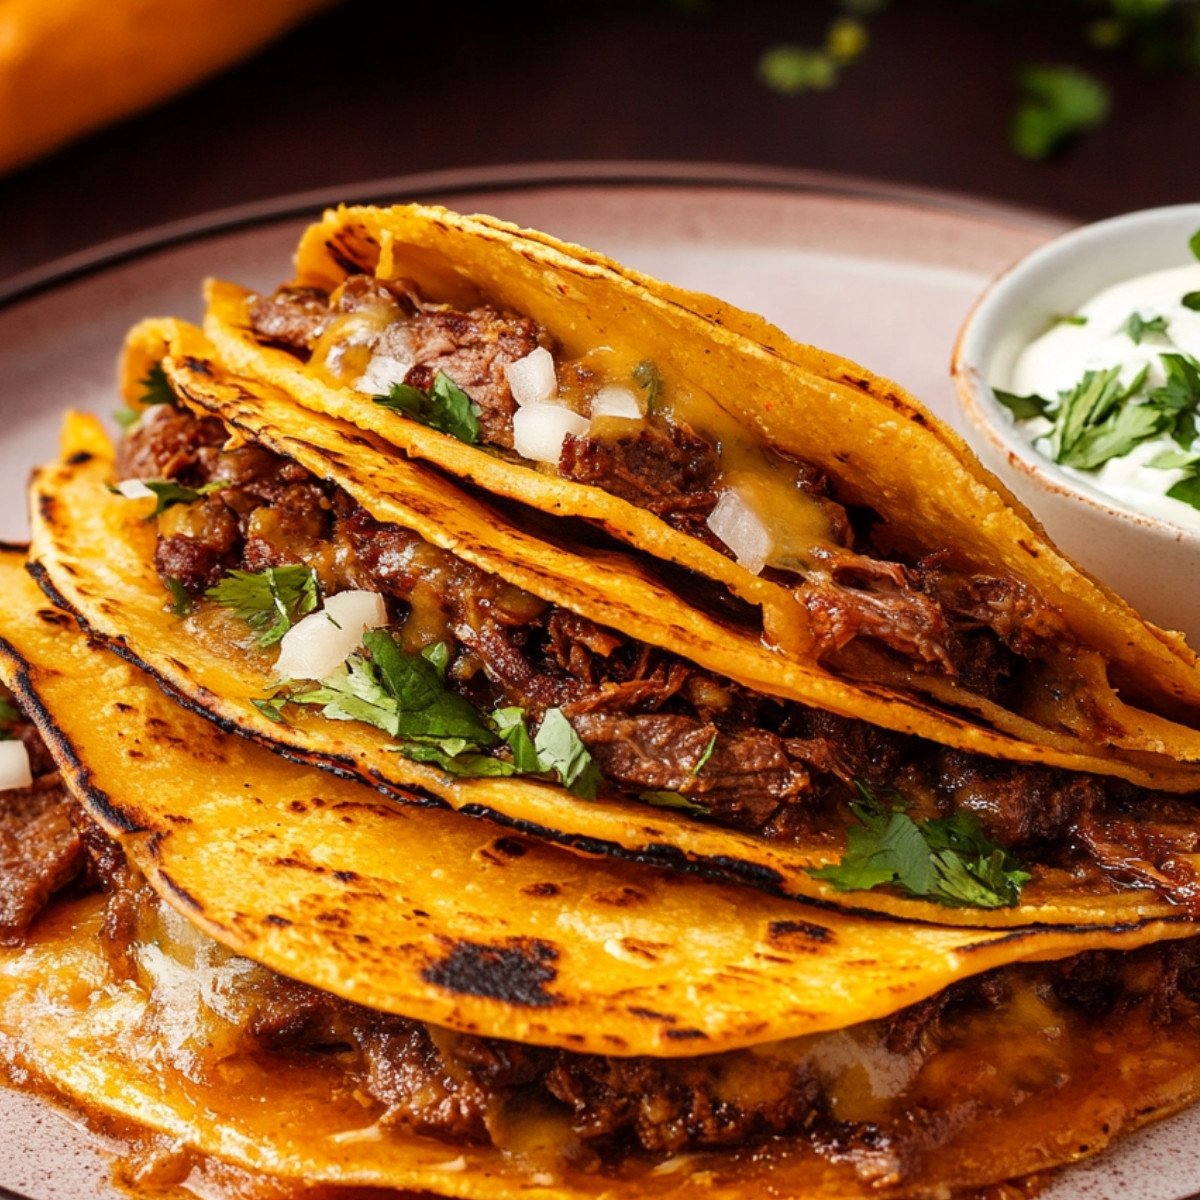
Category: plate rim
<point>516,177</point>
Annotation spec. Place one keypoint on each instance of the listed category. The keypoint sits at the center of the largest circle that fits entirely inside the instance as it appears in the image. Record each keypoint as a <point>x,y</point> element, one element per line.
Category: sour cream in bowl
<point>1078,373</point>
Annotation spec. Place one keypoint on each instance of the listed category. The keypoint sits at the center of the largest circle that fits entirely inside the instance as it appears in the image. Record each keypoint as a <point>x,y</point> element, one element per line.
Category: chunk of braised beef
<point>1017,803</point>
<point>167,443</point>
<point>205,544</point>
<point>745,778</point>
<point>1008,607</point>
<point>40,852</point>
<point>666,468</point>
<point>293,317</point>
<point>670,1106</point>
<point>473,348</point>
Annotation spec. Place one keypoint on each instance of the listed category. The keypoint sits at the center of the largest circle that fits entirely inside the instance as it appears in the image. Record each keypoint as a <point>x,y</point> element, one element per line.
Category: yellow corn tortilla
<point>95,552</point>
<point>322,880</point>
<point>877,444</point>
<point>250,849</point>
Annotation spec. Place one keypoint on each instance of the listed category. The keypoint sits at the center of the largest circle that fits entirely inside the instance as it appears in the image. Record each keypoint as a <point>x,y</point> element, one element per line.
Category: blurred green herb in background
<point>1054,102</point>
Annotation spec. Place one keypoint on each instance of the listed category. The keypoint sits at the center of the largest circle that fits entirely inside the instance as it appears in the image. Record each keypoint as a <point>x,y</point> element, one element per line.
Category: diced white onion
<point>741,529</point>
<point>539,430</point>
<point>322,641</point>
<point>134,489</point>
<point>14,766</point>
<point>614,400</point>
<point>382,371</point>
<point>532,378</point>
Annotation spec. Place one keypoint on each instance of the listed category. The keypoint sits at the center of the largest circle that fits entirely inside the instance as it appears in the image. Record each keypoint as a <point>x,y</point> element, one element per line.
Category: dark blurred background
<point>920,92</point>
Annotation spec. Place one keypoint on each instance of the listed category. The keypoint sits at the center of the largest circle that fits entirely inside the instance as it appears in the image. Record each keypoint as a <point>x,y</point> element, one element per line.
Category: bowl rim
<point>977,398</point>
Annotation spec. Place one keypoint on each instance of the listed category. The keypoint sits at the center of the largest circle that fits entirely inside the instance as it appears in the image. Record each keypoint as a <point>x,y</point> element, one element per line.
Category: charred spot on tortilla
<point>791,935</point>
<point>651,1015</point>
<point>516,970</point>
<point>546,889</point>
<point>622,897</point>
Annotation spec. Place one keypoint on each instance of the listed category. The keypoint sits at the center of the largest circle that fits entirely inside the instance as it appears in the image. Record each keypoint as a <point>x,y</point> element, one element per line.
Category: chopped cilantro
<point>703,759</point>
<point>9,715</point>
<point>1179,396</point>
<point>510,725</point>
<point>156,387</point>
<point>403,694</point>
<point>1073,319</point>
<point>791,69</point>
<point>271,601</point>
<point>272,708</point>
<point>1191,300</point>
<point>673,800</point>
<point>1023,408</point>
<point>560,750</point>
<point>445,407</point>
<point>1137,327</point>
<point>948,860</point>
<point>181,602</point>
<point>1093,423</point>
<point>1056,103</point>
<point>1194,244</point>
<point>170,493</point>
<point>406,695</point>
<point>646,376</point>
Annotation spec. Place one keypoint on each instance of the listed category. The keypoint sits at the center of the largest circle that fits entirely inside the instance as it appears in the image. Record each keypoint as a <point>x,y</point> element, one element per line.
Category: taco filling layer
<point>611,424</point>
<point>116,999</point>
<point>511,684</point>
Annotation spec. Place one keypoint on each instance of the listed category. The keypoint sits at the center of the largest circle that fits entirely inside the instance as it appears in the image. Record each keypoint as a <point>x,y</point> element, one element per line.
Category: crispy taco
<point>570,693</point>
<point>864,535</point>
<point>269,981</point>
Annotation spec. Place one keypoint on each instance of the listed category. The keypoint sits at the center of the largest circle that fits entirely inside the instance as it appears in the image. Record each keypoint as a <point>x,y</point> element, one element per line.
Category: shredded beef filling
<point>464,1089</point>
<point>944,618</point>
<point>653,722</point>
<point>40,850</point>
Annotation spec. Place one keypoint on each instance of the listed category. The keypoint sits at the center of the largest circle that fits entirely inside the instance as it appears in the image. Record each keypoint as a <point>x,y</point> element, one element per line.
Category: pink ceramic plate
<point>879,275</point>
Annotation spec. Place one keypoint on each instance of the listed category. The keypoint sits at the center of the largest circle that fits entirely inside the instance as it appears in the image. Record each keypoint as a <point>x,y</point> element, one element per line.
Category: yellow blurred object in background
<point>69,66</point>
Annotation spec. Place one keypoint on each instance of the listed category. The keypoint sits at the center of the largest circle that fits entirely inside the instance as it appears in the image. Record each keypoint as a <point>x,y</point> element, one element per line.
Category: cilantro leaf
<point>560,750</point>
<point>156,387</point>
<point>445,407</point>
<point>271,600</point>
<point>1023,408</point>
<point>1093,423</point>
<point>9,715</point>
<point>510,725</point>
<point>646,376</point>
<point>404,695</point>
<point>948,860</point>
<point>1191,300</point>
<point>673,800</point>
<point>170,493</point>
<point>791,69</point>
<point>181,602</point>
<point>1056,102</point>
<point>1137,327</point>
<point>1187,490</point>
<point>1194,243</point>
<point>703,759</point>
<point>1179,397</point>
<point>272,707</point>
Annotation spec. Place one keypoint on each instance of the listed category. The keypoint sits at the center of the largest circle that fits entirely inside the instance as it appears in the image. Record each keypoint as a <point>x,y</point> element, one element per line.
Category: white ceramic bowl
<point>1151,562</point>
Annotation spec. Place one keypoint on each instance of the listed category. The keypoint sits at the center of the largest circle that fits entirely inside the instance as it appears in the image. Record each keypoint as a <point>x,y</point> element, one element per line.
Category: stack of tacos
<point>691,770</point>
